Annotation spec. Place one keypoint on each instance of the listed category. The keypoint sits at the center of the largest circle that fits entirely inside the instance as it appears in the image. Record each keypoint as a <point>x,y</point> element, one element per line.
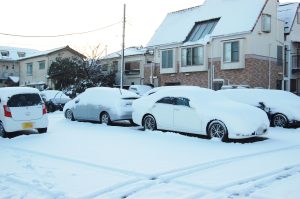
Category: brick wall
<point>255,74</point>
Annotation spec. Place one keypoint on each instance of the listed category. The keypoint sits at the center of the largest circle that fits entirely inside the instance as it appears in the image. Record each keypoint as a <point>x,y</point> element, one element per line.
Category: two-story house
<point>9,64</point>
<point>135,58</point>
<point>221,42</point>
<point>34,68</point>
<point>290,14</point>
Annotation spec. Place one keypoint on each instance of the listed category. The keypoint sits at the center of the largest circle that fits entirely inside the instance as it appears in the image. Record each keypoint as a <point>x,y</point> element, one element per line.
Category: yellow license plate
<point>27,125</point>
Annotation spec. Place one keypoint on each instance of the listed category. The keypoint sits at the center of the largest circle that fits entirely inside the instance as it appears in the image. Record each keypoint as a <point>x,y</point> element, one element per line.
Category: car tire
<point>69,115</point>
<point>42,130</point>
<point>105,118</point>
<point>2,131</point>
<point>279,120</point>
<point>217,129</point>
<point>149,123</point>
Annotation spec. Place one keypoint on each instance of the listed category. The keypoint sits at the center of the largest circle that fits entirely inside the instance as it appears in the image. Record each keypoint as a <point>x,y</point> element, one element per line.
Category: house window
<point>279,55</point>
<point>231,52</point>
<point>201,29</point>
<point>6,67</point>
<point>42,65</point>
<point>192,56</point>
<point>115,65</point>
<point>21,54</point>
<point>167,59</point>
<point>5,53</point>
<point>132,68</point>
<point>266,23</point>
<point>29,69</point>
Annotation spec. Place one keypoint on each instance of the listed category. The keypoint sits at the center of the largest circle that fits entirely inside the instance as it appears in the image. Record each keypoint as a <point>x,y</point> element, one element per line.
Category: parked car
<point>139,89</point>
<point>101,104</point>
<point>199,111</point>
<point>282,107</point>
<point>22,108</point>
<point>54,99</point>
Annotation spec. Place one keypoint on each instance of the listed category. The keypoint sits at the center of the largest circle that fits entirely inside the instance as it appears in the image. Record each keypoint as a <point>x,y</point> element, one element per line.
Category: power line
<point>61,35</point>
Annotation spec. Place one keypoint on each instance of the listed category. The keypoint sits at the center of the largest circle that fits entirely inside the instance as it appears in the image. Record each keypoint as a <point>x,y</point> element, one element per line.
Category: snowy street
<point>91,160</point>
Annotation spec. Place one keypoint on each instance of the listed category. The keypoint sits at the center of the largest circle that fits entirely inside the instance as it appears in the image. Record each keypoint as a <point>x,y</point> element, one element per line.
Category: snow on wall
<point>177,25</point>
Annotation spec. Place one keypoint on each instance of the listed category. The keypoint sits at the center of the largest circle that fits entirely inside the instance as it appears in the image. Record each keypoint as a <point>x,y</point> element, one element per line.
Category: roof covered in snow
<point>131,51</point>
<point>177,25</point>
<point>15,53</point>
<point>48,52</point>
<point>287,12</point>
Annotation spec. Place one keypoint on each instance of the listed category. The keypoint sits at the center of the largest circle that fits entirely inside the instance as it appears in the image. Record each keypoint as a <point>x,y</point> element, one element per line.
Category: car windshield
<point>20,100</point>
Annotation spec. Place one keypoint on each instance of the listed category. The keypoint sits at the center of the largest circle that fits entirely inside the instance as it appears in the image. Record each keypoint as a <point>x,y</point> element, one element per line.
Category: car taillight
<point>44,109</point>
<point>7,112</point>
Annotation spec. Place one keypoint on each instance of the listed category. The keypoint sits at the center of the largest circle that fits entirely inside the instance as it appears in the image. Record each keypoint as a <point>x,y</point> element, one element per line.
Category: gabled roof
<point>48,52</point>
<point>14,53</point>
<point>287,12</point>
<point>236,16</point>
<point>131,51</point>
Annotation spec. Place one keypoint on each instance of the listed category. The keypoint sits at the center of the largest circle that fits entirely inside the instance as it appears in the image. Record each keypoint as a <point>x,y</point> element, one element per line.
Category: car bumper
<point>122,116</point>
<point>259,132</point>
<point>294,123</point>
<point>11,125</point>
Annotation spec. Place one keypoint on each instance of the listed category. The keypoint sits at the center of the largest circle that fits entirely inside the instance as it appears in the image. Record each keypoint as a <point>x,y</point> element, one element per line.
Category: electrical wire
<point>61,35</point>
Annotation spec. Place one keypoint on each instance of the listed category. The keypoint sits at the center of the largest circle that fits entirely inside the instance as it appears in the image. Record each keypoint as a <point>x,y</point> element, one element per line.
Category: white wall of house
<point>39,75</point>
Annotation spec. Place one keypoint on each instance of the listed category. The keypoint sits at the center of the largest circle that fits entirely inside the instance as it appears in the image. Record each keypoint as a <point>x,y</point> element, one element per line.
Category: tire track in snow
<point>251,185</point>
<point>78,162</point>
<point>170,176</point>
<point>141,183</point>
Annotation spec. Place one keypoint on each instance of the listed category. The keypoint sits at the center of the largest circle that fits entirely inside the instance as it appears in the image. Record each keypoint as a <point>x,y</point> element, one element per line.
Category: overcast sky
<point>54,17</point>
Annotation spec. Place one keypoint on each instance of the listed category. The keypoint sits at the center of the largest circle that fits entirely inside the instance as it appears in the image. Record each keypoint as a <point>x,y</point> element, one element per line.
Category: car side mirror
<point>76,101</point>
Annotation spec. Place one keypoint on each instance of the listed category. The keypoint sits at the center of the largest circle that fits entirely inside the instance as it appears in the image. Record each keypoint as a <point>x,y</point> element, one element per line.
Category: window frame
<point>264,24</point>
<point>132,71</point>
<point>232,52</point>
<point>168,53</point>
<point>40,65</point>
<point>29,72</point>
<point>188,60</point>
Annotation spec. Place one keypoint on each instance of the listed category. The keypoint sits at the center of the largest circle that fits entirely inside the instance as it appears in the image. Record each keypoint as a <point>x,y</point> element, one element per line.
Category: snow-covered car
<point>139,89</point>
<point>101,104</point>
<point>282,107</point>
<point>199,111</point>
<point>54,99</point>
<point>22,108</point>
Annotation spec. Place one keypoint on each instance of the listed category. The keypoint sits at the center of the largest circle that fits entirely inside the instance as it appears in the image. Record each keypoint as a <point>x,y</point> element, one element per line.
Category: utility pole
<point>123,46</point>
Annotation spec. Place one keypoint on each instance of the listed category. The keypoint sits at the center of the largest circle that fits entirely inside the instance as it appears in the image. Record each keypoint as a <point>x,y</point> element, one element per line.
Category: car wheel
<point>279,120</point>
<point>2,131</point>
<point>149,123</point>
<point>42,130</point>
<point>217,129</point>
<point>105,118</point>
<point>69,115</point>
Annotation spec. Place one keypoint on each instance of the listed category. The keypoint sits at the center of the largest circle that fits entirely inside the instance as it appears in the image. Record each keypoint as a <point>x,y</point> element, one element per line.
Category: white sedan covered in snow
<point>282,107</point>
<point>199,111</point>
<point>101,104</point>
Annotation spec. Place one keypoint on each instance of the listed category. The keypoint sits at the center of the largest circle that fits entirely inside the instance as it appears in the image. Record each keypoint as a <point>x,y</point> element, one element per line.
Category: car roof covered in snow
<point>10,91</point>
<point>50,94</point>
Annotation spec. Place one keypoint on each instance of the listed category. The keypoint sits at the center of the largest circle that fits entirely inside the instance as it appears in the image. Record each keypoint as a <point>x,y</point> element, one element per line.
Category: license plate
<point>27,125</point>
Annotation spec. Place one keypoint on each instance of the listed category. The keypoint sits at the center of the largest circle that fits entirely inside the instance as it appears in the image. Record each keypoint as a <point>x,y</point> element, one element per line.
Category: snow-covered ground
<point>89,160</point>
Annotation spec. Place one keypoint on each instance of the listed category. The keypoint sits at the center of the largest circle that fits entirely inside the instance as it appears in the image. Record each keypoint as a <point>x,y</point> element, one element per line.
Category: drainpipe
<point>269,86</point>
